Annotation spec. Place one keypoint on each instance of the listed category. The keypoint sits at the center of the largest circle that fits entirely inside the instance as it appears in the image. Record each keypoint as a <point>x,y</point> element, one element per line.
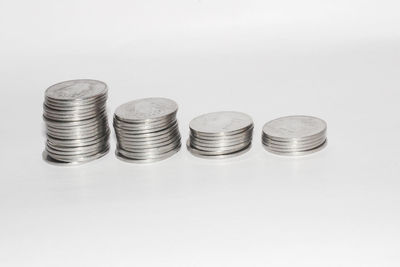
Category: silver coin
<point>101,117</point>
<point>221,149</point>
<point>76,143</point>
<point>297,153</point>
<point>148,160</point>
<point>294,135</point>
<point>294,127</point>
<point>139,141</point>
<point>76,160</point>
<point>77,157</point>
<point>149,143</point>
<point>205,155</point>
<point>147,130</point>
<point>148,153</point>
<point>145,125</point>
<point>295,148</point>
<point>79,142</point>
<point>154,130</point>
<point>70,118</point>
<point>220,134</point>
<point>71,156</point>
<point>65,114</point>
<point>132,146</point>
<point>76,90</point>
<point>55,162</point>
<point>147,109</point>
<point>147,122</point>
<point>78,136</point>
<point>294,141</point>
<point>144,156</point>
<point>218,123</point>
<point>76,121</point>
<point>158,134</point>
<point>77,108</point>
<point>74,151</point>
<point>75,104</point>
<point>197,142</point>
<point>78,131</point>
<point>224,138</point>
<point>293,144</point>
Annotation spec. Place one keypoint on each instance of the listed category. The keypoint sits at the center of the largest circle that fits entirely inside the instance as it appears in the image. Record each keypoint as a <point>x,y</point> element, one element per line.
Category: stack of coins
<point>147,130</point>
<point>76,122</point>
<point>220,134</point>
<point>294,135</point>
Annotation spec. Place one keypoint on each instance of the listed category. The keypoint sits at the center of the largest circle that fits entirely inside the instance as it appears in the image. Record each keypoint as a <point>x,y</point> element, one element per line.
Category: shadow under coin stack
<point>294,135</point>
<point>76,122</point>
<point>147,130</point>
<point>220,134</point>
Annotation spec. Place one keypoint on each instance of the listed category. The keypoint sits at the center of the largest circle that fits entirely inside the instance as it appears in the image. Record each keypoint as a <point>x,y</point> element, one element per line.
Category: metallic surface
<point>220,134</point>
<point>147,130</point>
<point>76,122</point>
<point>294,135</point>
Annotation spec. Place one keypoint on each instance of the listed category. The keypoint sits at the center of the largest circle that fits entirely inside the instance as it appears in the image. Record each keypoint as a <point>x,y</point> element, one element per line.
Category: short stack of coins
<point>220,134</point>
<point>147,130</point>
<point>294,135</point>
<point>76,122</point>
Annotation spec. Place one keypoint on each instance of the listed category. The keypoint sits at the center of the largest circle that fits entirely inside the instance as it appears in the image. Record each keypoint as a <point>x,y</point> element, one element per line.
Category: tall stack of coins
<point>147,130</point>
<point>220,134</point>
<point>294,135</point>
<point>76,121</point>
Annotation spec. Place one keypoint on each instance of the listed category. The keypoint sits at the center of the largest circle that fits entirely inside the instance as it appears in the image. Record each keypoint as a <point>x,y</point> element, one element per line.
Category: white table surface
<point>337,61</point>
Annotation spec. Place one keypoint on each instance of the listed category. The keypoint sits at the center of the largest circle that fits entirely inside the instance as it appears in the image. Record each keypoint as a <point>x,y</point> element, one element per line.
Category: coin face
<point>296,152</point>
<point>146,109</point>
<point>76,89</point>
<point>294,127</point>
<point>221,122</point>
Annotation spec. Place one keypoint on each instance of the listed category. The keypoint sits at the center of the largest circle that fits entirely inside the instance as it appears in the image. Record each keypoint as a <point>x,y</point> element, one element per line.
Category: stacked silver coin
<point>76,121</point>
<point>147,130</point>
<point>220,134</point>
<point>295,135</point>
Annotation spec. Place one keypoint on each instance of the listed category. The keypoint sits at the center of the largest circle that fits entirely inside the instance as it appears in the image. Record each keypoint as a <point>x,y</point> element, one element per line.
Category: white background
<point>338,60</point>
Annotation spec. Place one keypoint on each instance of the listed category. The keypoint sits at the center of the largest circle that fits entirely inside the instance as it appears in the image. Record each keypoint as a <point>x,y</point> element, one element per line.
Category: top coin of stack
<point>76,121</point>
<point>294,135</point>
<point>220,134</point>
<point>147,130</point>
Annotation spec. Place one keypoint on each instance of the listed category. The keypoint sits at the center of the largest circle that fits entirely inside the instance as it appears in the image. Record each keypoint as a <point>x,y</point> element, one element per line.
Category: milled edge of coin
<point>294,150</point>
<point>55,162</point>
<point>293,142</point>
<point>148,145</point>
<point>146,131</point>
<point>148,161</point>
<point>276,146</point>
<point>196,153</point>
<point>149,152</point>
<point>298,154</point>
<point>80,156</point>
<point>220,149</point>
